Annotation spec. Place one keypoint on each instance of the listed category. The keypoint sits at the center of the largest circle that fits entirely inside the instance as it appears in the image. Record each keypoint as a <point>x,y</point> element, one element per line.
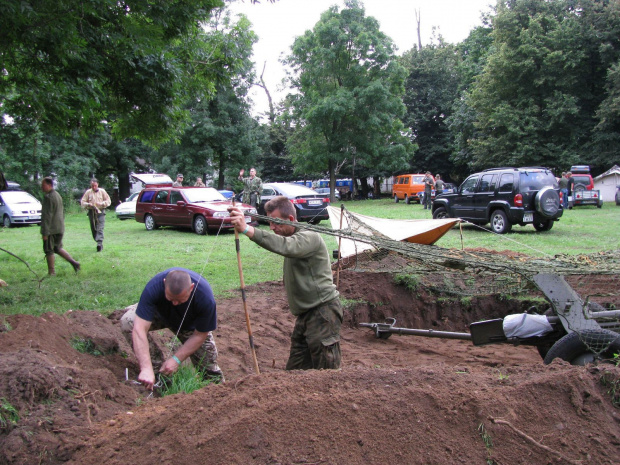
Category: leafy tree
<point>537,99</point>
<point>348,103</point>
<point>430,92</point>
<point>71,65</point>
<point>221,135</point>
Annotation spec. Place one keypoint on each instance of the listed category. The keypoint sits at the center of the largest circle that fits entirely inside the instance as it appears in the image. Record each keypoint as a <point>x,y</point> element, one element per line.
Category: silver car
<point>19,207</point>
<point>127,209</point>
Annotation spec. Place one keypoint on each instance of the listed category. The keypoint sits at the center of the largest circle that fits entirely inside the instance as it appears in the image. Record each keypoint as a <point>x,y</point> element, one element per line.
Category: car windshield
<point>417,179</point>
<point>582,179</point>
<point>203,194</point>
<point>14,197</point>
<point>536,180</point>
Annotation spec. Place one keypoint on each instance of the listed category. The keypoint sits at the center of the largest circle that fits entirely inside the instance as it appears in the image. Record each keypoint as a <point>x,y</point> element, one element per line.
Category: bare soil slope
<point>404,400</point>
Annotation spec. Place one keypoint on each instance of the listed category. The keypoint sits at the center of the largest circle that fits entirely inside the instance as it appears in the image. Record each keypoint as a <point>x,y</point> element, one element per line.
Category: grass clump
<point>488,442</point>
<point>410,281</point>
<point>612,383</point>
<point>186,379</point>
<point>8,414</point>
<point>86,346</point>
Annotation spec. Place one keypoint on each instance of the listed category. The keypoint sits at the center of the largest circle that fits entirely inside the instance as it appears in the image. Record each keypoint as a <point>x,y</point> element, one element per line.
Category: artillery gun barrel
<point>384,330</point>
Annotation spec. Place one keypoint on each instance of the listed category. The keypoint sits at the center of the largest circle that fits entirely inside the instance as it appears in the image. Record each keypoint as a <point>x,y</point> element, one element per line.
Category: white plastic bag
<point>525,325</point>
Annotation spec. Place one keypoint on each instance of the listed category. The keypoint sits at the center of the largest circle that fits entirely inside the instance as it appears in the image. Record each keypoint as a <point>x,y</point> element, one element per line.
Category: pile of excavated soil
<point>405,400</point>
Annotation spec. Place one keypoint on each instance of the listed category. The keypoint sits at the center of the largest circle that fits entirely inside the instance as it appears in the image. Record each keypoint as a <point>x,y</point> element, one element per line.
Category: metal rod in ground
<point>339,241</point>
<point>245,305</point>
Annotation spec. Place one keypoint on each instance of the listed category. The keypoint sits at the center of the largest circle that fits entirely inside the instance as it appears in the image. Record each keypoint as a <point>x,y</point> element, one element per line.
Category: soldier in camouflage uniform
<point>253,188</point>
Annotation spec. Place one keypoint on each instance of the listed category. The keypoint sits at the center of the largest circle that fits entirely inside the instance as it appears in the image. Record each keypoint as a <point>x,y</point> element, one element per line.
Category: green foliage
<point>186,379</point>
<point>488,442</point>
<point>431,89</point>
<point>611,381</point>
<point>536,101</point>
<point>410,281</point>
<point>71,65</point>
<point>349,304</point>
<point>349,102</point>
<point>86,346</point>
<point>6,325</point>
<point>9,416</point>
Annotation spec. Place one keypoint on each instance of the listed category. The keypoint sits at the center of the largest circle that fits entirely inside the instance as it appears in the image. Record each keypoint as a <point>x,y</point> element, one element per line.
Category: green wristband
<point>176,359</point>
<point>245,231</point>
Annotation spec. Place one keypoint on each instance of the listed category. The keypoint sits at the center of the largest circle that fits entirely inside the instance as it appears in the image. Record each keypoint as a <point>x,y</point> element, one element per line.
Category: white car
<point>19,207</point>
<point>127,209</point>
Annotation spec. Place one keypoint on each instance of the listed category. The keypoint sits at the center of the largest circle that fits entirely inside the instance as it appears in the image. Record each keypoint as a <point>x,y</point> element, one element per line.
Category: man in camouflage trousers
<point>182,301</point>
<point>253,186</point>
<point>312,295</point>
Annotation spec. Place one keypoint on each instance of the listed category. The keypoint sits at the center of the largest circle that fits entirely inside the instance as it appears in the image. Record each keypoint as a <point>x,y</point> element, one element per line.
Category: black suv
<point>504,197</point>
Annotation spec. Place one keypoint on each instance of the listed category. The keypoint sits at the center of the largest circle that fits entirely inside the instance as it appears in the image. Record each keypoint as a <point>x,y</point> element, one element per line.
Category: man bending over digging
<point>182,301</point>
<point>310,289</point>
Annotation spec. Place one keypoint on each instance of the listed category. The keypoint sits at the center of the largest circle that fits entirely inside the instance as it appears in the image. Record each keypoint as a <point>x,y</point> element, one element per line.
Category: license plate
<point>315,202</point>
<point>528,218</point>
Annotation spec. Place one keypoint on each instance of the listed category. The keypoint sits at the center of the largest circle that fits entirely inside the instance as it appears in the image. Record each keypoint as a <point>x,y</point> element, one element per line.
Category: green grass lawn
<point>114,278</point>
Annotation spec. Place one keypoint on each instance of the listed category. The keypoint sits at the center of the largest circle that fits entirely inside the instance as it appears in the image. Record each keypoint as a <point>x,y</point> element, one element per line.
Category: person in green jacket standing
<point>53,226</point>
<point>310,289</point>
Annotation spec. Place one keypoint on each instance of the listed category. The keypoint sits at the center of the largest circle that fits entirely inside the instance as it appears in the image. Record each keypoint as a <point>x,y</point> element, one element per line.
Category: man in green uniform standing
<point>253,187</point>
<point>310,289</point>
<point>53,226</point>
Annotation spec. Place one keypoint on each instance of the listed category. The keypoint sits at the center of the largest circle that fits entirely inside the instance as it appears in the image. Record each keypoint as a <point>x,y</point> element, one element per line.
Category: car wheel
<point>580,187</point>
<point>407,200</point>
<point>440,213</point>
<point>543,225</point>
<point>600,204</point>
<point>395,198</point>
<point>499,222</point>
<point>200,225</point>
<point>581,348</point>
<point>314,221</point>
<point>149,223</point>
<point>547,202</point>
<point>6,221</point>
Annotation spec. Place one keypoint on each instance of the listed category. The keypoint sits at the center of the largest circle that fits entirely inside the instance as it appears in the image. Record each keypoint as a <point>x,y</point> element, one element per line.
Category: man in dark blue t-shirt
<point>181,300</point>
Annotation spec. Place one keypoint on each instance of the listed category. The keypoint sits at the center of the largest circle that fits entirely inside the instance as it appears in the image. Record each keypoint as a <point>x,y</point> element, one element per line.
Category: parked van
<point>407,187</point>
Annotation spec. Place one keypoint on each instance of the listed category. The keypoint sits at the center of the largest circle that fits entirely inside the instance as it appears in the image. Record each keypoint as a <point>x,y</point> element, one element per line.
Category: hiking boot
<point>99,247</point>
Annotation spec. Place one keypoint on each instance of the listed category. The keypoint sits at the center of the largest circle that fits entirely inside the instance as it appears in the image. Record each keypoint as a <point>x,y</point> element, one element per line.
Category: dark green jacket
<point>52,214</point>
<point>307,269</point>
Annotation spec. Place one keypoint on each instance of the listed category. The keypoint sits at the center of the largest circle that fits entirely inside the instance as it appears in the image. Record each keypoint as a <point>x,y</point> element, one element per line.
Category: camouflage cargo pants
<point>204,359</point>
<point>315,342</point>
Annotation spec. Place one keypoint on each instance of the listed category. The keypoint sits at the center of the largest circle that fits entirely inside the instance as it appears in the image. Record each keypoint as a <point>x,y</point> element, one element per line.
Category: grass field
<point>114,278</point>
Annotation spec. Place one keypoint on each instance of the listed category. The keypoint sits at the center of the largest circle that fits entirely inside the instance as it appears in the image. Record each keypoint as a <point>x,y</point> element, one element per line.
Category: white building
<point>607,182</point>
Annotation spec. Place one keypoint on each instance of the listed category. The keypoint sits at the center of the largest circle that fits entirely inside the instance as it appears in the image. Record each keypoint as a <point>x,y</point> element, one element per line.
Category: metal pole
<point>245,305</point>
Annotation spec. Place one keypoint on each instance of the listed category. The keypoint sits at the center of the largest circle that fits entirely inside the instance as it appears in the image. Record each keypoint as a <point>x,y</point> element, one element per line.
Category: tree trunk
<point>332,180</point>
<point>220,178</point>
<point>124,186</point>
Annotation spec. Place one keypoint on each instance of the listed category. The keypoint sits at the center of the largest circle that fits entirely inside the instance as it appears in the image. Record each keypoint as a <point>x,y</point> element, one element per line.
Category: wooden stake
<point>245,305</point>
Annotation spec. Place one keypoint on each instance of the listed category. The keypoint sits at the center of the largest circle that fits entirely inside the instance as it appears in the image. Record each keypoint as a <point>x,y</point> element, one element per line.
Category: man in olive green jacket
<point>53,226</point>
<point>310,289</point>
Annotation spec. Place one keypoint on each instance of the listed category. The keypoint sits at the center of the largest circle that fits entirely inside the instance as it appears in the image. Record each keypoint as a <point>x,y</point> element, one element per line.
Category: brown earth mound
<point>404,400</point>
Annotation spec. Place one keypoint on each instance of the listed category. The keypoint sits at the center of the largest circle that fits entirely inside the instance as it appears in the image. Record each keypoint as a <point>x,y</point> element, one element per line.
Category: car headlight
<point>221,215</point>
<point>252,211</point>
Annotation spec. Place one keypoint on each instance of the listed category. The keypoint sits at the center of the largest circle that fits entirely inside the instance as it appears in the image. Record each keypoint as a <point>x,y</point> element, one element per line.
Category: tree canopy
<point>349,98</point>
<point>72,65</point>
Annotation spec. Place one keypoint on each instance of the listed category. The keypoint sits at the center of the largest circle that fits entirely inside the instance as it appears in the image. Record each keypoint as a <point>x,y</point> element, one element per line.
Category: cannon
<point>573,330</point>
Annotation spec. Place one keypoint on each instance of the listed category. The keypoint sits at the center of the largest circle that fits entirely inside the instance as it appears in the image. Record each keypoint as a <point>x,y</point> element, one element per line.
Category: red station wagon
<point>201,209</point>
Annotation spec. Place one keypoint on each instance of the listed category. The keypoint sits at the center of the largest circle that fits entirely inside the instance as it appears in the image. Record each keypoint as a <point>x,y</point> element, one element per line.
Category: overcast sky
<point>277,24</point>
